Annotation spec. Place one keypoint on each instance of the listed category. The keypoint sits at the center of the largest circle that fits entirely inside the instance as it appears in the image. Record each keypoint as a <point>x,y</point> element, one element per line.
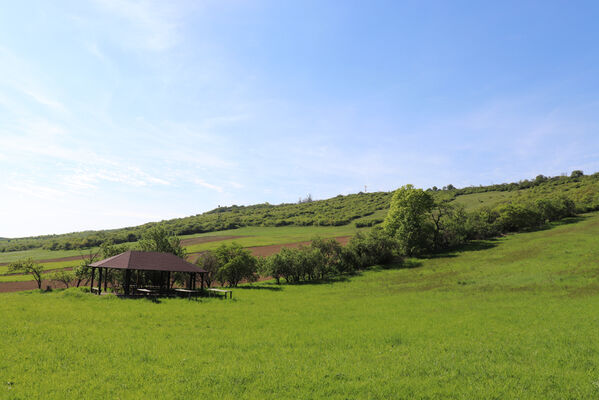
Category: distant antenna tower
<point>365,189</point>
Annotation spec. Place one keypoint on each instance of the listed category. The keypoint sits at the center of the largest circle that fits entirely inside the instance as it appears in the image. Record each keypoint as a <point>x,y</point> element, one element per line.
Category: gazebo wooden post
<point>105,278</point>
<point>100,281</point>
<point>202,281</point>
<point>168,281</point>
<point>127,279</point>
<point>189,284</point>
<point>91,285</point>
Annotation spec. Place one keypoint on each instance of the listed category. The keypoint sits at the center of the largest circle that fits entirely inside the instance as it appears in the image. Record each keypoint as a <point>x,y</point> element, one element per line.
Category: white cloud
<point>153,25</point>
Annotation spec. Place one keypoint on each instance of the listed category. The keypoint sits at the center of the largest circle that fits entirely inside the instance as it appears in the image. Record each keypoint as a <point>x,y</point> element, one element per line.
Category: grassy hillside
<point>509,318</point>
<point>363,209</point>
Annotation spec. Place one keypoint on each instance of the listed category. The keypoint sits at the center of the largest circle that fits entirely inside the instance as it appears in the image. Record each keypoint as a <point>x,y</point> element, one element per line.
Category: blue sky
<point>116,112</point>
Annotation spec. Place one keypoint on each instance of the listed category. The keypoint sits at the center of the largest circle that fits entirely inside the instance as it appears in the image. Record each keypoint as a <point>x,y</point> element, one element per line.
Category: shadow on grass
<point>324,281</point>
<point>266,286</point>
<point>475,245</point>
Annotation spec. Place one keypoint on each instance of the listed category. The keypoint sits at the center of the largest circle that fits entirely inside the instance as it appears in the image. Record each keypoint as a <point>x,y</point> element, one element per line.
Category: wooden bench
<point>218,292</point>
<point>189,292</point>
<point>148,292</point>
<point>95,289</point>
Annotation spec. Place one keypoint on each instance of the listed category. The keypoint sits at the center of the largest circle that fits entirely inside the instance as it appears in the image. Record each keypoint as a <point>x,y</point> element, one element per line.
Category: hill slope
<point>362,209</point>
<point>510,318</point>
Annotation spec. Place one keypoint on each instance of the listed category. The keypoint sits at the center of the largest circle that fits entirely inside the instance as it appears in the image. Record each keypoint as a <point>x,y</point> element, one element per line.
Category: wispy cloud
<point>205,184</point>
<point>152,25</point>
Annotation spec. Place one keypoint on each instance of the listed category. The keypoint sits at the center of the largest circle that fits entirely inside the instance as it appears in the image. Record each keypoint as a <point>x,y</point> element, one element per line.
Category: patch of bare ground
<point>6,287</point>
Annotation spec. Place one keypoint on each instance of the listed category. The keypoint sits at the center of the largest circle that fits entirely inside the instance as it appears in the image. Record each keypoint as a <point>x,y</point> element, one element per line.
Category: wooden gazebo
<point>146,261</point>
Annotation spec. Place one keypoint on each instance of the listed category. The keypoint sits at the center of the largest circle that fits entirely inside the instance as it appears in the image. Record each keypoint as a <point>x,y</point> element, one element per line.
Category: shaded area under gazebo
<point>146,261</point>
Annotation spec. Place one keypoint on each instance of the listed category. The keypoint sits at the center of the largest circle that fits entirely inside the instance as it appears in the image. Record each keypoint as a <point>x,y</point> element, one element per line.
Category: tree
<point>330,250</point>
<point>209,262</point>
<point>63,277</point>
<point>236,264</point>
<point>28,266</point>
<point>408,219</point>
<point>108,249</point>
<point>158,239</point>
<point>82,272</point>
<point>576,174</point>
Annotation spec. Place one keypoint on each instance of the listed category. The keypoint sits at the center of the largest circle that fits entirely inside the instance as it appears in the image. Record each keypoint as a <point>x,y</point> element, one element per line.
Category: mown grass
<point>512,318</point>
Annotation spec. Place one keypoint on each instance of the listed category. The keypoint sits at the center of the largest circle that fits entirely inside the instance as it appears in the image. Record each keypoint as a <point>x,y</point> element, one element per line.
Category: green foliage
<point>158,239</point>
<point>407,219</point>
<point>64,277</point>
<point>209,262</point>
<point>81,273</point>
<point>235,264</point>
<point>109,249</point>
<point>326,258</point>
<point>374,248</point>
<point>28,266</point>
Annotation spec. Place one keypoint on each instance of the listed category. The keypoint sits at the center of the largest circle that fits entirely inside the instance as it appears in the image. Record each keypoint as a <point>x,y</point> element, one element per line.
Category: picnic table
<point>189,292</point>
<point>218,292</point>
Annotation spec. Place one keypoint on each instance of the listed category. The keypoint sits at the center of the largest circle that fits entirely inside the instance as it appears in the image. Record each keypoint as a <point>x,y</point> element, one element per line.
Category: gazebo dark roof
<point>148,261</point>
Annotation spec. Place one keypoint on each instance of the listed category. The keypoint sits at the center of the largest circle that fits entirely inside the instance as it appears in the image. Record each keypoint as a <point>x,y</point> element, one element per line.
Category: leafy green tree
<point>81,273</point>
<point>209,262</point>
<point>576,174</point>
<point>408,219</point>
<point>109,249</point>
<point>236,264</point>
<point>63,277</point>
<point>330,251</point>
<point>28,266</point>
<point>158,239</point>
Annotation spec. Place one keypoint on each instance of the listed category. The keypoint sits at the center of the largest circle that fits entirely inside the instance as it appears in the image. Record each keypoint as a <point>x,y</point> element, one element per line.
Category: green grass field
<point>511,318</point>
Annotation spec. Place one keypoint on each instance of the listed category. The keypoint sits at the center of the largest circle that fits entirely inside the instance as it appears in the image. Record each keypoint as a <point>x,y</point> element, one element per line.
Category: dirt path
<point>261,251</point>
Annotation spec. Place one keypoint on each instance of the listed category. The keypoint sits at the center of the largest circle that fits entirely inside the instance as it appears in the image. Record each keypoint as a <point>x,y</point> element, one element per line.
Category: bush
<point>63,277</point>
<point>236,264</point>
<point>363,251</point>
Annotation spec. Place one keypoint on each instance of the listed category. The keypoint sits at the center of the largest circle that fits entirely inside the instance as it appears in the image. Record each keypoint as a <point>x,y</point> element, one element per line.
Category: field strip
<point>184,242</point>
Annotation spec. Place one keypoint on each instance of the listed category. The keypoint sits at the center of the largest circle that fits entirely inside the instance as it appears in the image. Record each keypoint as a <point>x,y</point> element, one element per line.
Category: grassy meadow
<point>509,318</point>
